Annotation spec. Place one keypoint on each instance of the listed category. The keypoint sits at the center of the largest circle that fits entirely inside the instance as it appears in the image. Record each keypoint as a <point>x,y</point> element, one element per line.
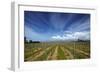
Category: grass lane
<point>61,54</point>
<point>67,53</point>
<point>78,54</point>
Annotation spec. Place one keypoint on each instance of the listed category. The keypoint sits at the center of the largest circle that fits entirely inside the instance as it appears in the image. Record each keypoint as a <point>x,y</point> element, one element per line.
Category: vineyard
<point>56,51</point>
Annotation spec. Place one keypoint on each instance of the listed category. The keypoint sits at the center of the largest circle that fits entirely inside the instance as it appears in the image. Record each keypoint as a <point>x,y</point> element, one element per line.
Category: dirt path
<point>54,56</point>
<point>67,53</point>
<point>38,54</point>
<point>41,53</point>
<point>80,51</point>
<point>49,57</point>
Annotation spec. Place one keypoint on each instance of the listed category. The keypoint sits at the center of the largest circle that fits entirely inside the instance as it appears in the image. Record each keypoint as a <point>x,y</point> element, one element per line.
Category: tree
<point>30,41</point>
<point>25,40</point>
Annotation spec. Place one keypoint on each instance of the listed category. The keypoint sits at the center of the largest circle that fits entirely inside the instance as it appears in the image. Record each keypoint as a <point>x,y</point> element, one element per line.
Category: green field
<point>56,51</point>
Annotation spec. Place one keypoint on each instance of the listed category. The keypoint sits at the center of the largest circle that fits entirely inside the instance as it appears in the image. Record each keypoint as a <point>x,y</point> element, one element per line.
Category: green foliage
<point>61,54</point>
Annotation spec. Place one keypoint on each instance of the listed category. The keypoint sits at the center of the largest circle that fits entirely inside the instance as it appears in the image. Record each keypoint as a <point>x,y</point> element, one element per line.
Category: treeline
<point>30,41</point>
<point>79,40</point>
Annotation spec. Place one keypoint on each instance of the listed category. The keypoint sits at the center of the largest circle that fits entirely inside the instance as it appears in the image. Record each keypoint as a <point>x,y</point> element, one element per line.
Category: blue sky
<point>50,26</point>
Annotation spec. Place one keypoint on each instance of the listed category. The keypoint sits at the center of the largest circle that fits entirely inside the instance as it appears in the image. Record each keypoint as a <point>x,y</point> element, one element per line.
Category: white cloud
<point>72,36</point>
<point>82,35</point>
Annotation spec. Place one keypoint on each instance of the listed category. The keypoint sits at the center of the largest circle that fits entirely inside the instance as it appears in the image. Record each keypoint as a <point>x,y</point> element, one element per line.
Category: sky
<point>51,26</point>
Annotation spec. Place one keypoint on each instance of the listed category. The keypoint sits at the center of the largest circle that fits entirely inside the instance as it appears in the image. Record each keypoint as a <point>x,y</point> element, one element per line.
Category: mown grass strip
<point>67,53</point>
<point>61,54</point>
<point>76,54</point>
